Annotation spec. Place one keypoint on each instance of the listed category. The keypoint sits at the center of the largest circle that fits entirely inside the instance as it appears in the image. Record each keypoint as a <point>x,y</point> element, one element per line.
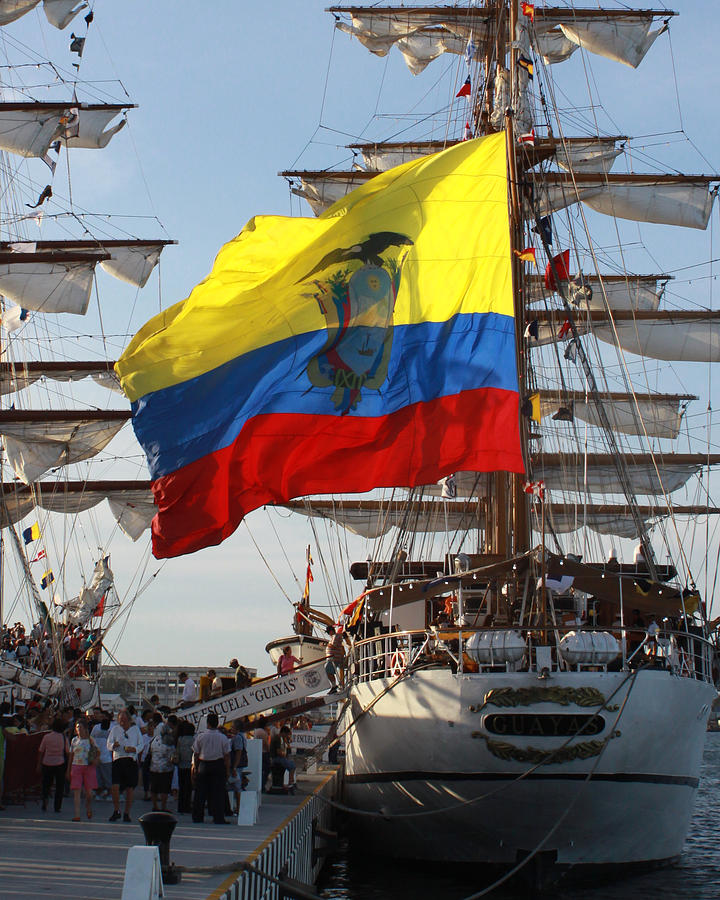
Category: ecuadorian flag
<point>371,347</point>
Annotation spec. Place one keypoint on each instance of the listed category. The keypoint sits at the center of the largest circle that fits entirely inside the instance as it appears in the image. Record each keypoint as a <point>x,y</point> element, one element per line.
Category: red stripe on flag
<point>278,457</point>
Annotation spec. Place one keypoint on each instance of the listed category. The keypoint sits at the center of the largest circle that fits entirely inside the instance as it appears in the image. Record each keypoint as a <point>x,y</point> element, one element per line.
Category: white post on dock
<point>143,874</point>
<point>254,766</point>
<point>247,813</point>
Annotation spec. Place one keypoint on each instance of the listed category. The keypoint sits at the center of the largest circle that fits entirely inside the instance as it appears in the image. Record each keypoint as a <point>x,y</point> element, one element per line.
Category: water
<point>352,876</point>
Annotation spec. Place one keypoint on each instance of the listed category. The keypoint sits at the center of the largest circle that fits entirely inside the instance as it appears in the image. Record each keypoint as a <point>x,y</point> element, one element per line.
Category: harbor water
<point>353,876</point>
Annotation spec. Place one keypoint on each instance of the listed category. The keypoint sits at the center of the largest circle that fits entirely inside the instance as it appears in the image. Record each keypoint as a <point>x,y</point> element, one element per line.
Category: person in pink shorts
<point>84,755</point>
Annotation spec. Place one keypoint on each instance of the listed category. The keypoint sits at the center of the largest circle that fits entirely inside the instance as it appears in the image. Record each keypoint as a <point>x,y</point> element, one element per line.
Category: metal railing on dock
<point>291,851</point>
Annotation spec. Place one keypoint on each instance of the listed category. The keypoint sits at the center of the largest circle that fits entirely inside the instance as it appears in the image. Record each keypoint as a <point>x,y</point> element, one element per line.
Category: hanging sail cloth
<point>380,157</point>
<point>321,355</point>
<point>29,129</point>
<point>33,448</point>
<point>618,525</point>
<point>642,292</point>
<point>423,35</point>
<point>133,264</point>
<point>133,511</point>
<point>372,524</point>
<point>93,132</point>
<point>697,340</point>
<point>590,156</point>
<point>48,287</point>
<point>80,609</point>
<point>59,13</point>
<point>655,416</point>
<point>582,476</point>
<point>684,205</point>
<point>321,193</point>
<point>18,376</point>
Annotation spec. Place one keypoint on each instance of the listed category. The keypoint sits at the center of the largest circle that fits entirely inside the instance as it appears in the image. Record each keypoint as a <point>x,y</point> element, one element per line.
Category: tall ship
<point>475,359</point>
<point>74,485</point>
<point>511,698</point>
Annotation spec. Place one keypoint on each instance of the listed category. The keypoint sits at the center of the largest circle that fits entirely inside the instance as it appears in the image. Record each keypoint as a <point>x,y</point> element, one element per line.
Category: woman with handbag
<point>84,757</point>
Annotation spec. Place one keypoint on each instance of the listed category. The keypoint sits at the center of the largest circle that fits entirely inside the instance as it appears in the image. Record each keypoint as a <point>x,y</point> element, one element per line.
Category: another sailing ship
<point>58,411</point>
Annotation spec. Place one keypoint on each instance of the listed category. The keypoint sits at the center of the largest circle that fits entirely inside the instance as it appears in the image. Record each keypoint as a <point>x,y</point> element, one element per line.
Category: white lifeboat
<point>29,678</point>
<point>495,647</point>
<point>589,647</point>
<point>8,671</point>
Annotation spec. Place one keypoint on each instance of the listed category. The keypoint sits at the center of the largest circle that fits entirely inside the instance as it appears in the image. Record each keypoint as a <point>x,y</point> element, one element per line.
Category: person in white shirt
<point>104,769</point>
<point>211,764</point>
<point>189,694</point>
<point>125,741</point>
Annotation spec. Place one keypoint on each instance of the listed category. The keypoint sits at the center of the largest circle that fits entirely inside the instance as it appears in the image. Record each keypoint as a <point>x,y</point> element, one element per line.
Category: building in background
<point>134,683</point>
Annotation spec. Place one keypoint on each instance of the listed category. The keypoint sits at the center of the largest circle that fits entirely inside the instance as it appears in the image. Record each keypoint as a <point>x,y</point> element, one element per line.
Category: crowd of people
<point>78,645</point>
<point>95,756</point>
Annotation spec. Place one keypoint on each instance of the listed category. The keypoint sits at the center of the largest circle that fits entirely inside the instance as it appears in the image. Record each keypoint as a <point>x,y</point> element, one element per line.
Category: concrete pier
<point>44,854</point>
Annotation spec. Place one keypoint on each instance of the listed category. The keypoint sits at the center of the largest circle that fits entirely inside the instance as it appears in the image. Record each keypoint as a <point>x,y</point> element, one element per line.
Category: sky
<point>228,95</point>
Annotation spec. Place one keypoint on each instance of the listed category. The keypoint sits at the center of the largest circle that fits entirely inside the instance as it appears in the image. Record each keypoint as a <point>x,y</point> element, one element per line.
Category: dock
<point>46,854</point>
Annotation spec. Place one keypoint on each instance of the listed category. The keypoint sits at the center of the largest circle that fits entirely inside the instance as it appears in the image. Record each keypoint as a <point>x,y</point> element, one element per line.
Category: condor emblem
<point>357,299</point>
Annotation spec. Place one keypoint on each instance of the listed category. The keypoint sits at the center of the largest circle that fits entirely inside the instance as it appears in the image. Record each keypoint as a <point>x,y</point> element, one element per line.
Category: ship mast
<point>507,525</point>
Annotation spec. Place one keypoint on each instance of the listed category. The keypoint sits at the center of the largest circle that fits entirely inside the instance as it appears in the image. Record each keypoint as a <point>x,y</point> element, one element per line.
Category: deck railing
<point>390,654</point>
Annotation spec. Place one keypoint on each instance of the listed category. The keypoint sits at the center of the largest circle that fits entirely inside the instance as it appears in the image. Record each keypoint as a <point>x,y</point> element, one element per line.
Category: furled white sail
<point>612,524</point>
<point>92,131</point>
<point>590,156</point>
<point>48,287</point>
<point>554,46</point>
<point>557,33</point>
<point>133,511</point>
<point>321,193</point>
<point>622,40</point>
<point>380,159</point>
<point>379,32</point>
<point>679,340</point>
<point>604,479</point>
<point>29,132</point>
<point>420,48</point>
<point>133,264</point>
<point>68,504</point>
<point>60,13</point>
<point>10,10</point>
<point>19,377</point>
<point>659,417</point>
<point>15,507</point>
<point>632,292</point>
<point>17,381</point>
<point>501,99</point>
<point>33,448</point>
<point>109,381</point>
<point>683,204</point>
<point>374,523</point>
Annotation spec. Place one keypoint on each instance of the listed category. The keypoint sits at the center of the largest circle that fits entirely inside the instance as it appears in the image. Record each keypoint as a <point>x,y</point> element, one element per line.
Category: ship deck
<point>49,855</point>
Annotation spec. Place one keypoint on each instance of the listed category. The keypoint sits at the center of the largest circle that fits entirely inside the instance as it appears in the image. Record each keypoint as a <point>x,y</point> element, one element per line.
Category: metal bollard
<point>158,828</point>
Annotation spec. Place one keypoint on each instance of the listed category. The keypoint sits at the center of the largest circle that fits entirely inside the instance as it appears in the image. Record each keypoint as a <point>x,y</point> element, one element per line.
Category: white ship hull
<point>24,683</point>
<point>422,748</point>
